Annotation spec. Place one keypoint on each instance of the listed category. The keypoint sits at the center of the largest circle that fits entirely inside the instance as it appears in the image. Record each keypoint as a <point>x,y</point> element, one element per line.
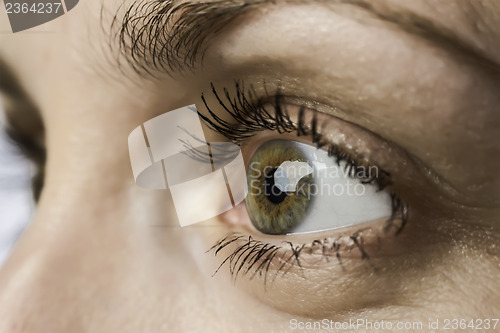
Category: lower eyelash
<point>257,252</point>
<point>254,257</point>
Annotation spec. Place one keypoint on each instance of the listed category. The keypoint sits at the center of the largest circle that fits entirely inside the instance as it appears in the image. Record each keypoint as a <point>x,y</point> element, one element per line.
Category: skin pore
<point>103,255</point>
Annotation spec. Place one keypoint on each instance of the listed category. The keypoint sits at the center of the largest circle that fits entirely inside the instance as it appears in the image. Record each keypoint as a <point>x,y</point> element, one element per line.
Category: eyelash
<point>259,255</point>
<point>252,117</point>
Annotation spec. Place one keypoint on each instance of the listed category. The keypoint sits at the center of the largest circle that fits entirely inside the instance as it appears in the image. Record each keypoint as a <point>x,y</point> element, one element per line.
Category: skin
<point>102,255</point>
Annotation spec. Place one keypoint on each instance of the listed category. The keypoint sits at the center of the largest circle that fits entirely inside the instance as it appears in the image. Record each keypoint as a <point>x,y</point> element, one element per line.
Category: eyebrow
<point>164,37</point>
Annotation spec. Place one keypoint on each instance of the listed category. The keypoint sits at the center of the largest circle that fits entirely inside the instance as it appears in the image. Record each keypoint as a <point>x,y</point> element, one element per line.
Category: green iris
<point>271,210</point>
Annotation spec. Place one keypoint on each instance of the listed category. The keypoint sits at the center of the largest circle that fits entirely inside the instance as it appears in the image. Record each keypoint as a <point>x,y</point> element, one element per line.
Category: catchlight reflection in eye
<point>295,188</point>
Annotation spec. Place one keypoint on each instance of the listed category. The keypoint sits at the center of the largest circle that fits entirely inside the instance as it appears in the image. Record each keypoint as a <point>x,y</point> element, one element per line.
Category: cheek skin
<point>407,270</point>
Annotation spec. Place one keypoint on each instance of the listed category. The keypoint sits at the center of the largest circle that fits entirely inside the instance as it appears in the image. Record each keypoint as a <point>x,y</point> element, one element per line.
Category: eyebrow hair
<point>161,36</point>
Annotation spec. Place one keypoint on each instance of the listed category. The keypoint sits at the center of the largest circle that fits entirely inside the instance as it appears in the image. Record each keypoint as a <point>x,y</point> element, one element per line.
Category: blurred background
<point>16,202</point>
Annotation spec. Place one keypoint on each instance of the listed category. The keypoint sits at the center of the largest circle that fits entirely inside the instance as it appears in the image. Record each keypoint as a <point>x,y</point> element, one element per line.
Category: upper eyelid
<point>243,107</point>
<point>428,177</point>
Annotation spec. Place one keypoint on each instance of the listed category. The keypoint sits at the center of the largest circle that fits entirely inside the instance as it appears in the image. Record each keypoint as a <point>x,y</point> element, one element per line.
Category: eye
<point>296,188</point>
<point>307,171</point>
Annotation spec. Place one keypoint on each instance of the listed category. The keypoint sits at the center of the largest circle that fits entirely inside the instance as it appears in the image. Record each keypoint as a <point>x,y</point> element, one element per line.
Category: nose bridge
<point>46,279</point>
<point>53,277</point>
<point>84,254</point>
<point>35,282</point>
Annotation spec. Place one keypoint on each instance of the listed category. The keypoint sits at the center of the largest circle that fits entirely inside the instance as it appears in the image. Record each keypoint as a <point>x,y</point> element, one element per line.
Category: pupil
<point>272,192</point>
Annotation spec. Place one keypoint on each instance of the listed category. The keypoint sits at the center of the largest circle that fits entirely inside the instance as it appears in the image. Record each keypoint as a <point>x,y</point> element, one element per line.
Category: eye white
<point>337,200</point>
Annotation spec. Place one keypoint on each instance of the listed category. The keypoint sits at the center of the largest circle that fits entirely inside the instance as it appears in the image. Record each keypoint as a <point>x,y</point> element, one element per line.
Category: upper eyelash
<point>251,118</point>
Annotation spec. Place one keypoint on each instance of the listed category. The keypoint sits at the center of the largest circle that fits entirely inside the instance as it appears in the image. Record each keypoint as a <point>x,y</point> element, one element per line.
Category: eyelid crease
<point>425,171</point>
<point>251,115</point>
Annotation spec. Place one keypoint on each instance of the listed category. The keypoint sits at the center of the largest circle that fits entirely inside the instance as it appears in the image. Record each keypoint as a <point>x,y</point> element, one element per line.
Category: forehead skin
<point>88,263</point>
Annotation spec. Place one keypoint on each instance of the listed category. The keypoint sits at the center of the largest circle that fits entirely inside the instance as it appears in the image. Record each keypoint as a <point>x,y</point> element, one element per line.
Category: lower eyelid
<point>358,142</point>
<point>247,254</point>
<point>337,280</point>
